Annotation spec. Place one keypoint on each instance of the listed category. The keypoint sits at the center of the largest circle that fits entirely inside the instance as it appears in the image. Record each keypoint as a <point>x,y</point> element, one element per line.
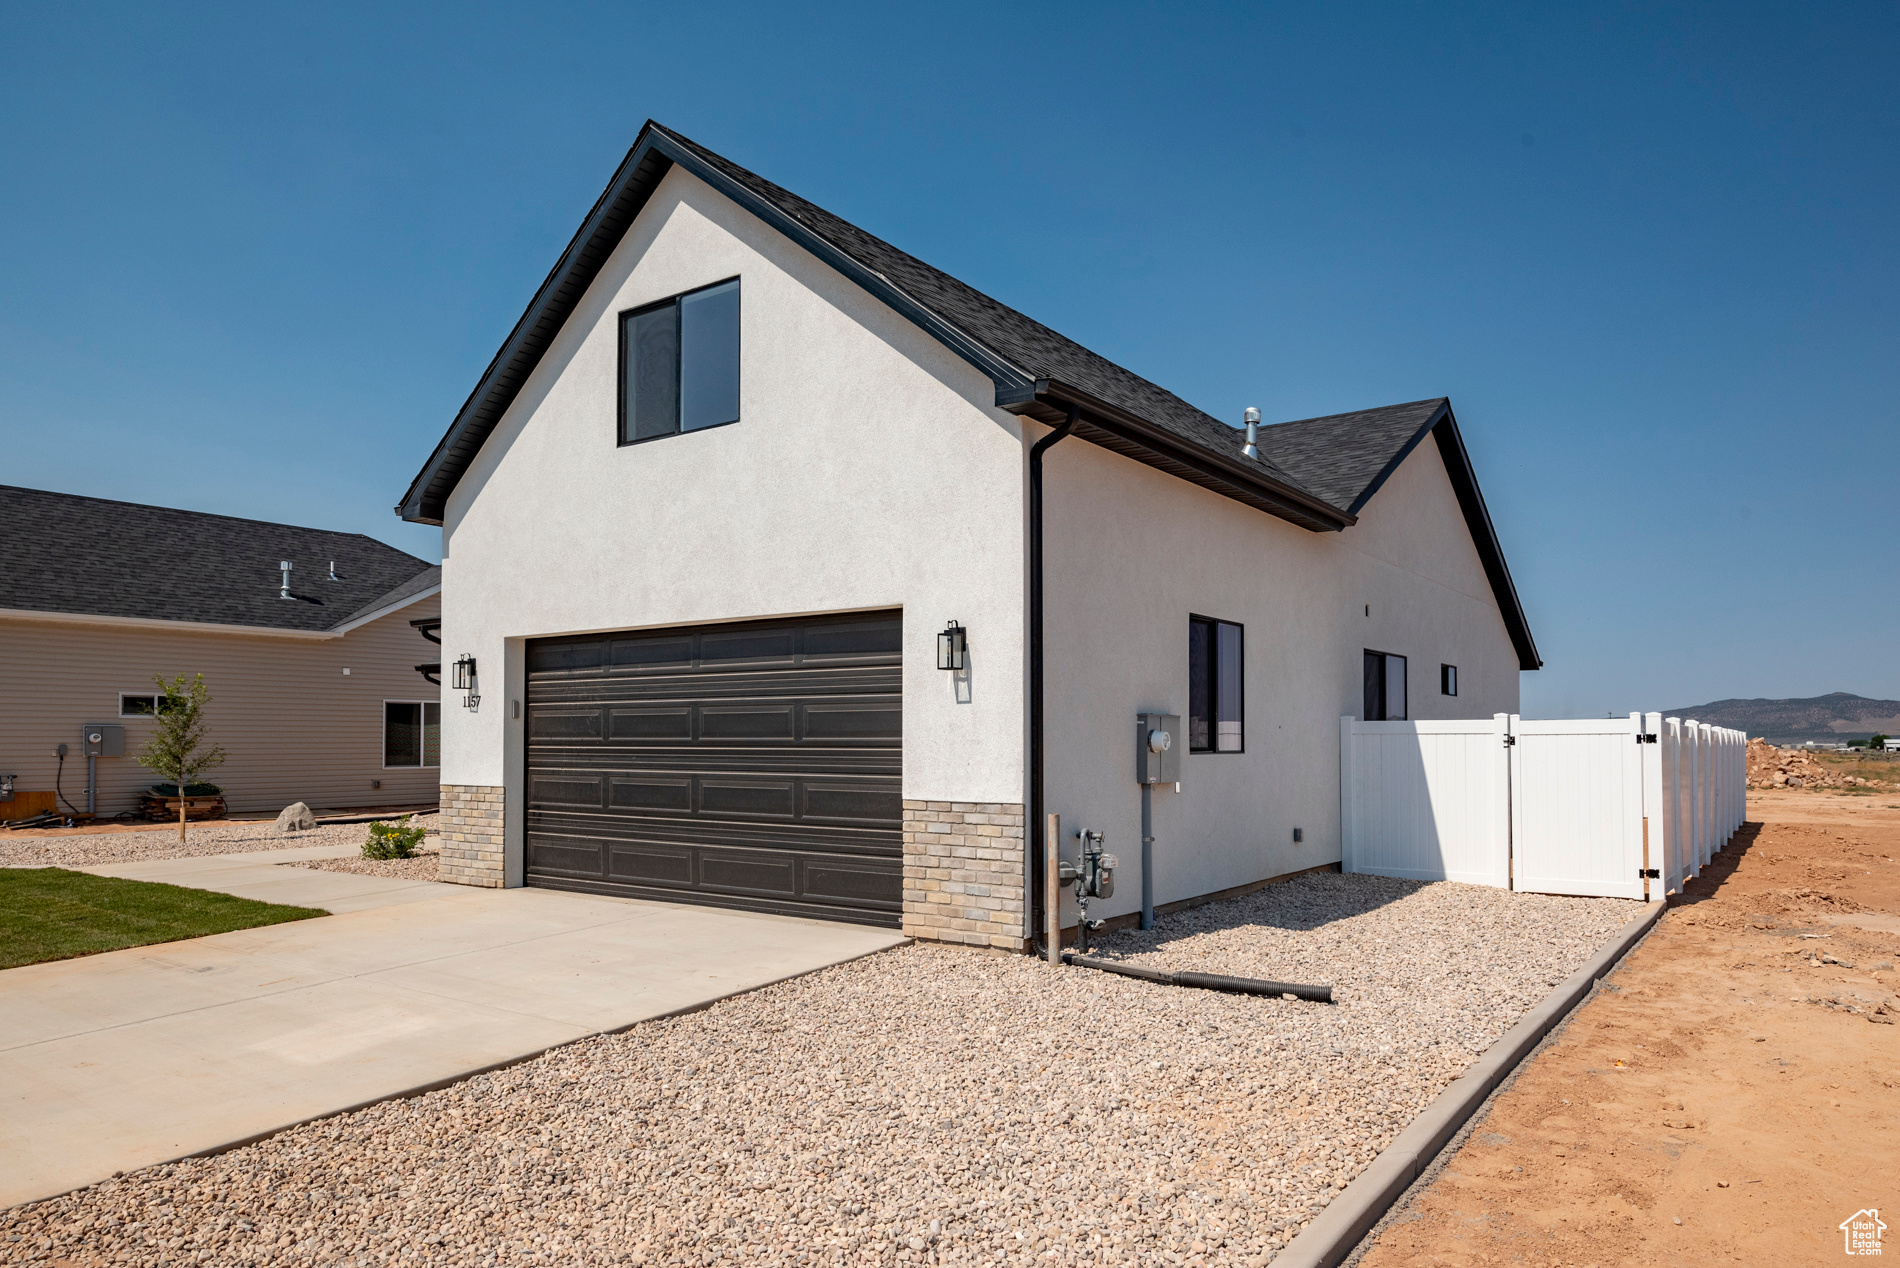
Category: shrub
<point>396,840</point>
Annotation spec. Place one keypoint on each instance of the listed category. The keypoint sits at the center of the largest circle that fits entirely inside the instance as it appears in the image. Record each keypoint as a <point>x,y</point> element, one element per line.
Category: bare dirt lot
<point>1731,1094</point>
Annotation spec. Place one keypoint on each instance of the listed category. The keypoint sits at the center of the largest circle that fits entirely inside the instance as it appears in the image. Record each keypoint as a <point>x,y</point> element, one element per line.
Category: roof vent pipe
<point>285,592</point>
<point>1251,450</point>
<point>333,575</point>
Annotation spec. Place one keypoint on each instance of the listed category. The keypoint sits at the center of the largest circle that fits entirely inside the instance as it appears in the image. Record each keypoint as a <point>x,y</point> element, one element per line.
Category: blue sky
<point>255,257</point>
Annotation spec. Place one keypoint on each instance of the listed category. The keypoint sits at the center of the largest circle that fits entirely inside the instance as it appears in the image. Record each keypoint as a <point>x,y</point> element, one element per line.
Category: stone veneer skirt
<point>471,835</point>
<point>963,872</point>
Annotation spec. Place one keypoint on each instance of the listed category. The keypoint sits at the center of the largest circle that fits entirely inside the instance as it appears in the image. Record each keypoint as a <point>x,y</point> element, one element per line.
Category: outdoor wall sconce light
<point>953,648</point>
<point>465,680</point>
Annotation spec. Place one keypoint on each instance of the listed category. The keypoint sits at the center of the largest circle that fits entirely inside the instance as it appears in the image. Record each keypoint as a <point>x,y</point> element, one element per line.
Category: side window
<point>1448,680</point>
<point>141,706</point>
<point>412,733</point>
<point>1385,687</point>
<point>679,364</point>
<point>1216,672</point>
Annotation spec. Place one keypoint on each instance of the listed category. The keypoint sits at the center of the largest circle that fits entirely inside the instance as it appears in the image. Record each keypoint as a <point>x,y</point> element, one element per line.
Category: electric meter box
<point>1157,748</point>
<point>102,739</point>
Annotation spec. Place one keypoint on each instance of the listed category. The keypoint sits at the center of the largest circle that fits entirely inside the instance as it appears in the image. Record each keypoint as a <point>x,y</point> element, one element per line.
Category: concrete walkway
<point>129,1058</point>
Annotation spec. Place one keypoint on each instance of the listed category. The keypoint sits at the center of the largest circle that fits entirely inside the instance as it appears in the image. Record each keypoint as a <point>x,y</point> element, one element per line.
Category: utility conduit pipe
<point>1205,981</point>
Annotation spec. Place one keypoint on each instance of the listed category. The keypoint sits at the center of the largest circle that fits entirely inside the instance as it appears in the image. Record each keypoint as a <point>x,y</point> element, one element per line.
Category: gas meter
<point>1094,876</point>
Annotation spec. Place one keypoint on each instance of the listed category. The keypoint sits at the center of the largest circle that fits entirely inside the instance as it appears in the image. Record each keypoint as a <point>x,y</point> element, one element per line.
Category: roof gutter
<point>1228,476</point>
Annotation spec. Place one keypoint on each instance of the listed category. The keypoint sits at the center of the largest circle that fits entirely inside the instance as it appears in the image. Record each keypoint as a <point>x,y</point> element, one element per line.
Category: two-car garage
<point>755,765</point>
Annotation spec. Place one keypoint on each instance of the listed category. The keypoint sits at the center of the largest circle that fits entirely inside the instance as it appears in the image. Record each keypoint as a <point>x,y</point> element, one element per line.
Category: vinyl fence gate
<point>1613,807</point>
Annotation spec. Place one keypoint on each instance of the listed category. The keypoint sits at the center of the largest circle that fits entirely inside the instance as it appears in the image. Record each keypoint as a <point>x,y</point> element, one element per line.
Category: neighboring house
<point>316,696</point>
<point>740,464</point>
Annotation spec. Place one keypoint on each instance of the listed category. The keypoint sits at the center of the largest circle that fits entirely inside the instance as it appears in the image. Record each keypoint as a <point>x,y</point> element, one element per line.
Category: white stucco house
<point>739,466</point>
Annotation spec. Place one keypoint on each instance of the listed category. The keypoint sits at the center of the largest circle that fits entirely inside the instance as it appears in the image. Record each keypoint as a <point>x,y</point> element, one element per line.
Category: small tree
<point>1878,742</point>
<point>179,750</point>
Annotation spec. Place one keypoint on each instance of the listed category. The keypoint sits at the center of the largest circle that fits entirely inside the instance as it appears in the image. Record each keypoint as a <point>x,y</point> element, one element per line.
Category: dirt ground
<point>1728,1096</point>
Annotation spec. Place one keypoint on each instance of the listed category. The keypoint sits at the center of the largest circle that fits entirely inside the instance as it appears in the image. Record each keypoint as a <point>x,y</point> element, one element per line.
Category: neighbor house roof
<point>1036,372</point>
<point>122,561</point>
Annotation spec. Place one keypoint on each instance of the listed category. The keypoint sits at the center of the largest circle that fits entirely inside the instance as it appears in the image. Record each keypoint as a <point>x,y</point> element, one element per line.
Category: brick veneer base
<point>471,835</point>
<point>963,872</point>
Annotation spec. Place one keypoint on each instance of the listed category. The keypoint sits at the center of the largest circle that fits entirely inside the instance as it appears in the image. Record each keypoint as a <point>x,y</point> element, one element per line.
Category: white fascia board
<point>380,613</point>
<point>155,623</point>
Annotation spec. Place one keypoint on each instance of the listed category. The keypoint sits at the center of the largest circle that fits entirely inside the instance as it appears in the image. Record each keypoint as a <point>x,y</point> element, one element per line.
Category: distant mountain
<point>1833,718</point>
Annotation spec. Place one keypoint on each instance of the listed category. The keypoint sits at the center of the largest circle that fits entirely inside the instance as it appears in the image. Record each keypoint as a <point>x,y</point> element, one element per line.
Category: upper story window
<point>1214,686</point>
<point>679,364</point>
<point>1385,687</point>
<point>1448,680</point>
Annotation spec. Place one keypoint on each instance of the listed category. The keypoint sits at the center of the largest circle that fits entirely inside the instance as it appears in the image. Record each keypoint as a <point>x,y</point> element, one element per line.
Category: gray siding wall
<point>296,727</point>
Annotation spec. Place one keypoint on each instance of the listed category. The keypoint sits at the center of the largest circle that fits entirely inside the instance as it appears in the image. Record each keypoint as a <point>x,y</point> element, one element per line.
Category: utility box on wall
<point>102,739</point>
<point>1157,748</point>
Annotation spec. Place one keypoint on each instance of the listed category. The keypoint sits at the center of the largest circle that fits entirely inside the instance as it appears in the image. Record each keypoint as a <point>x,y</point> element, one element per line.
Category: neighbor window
<point>142,705</point>
<point>1385,687</point>
<point>679,364</point>
<point>1214,686</point>
<point>412,733</point>
<point>1448,680</point>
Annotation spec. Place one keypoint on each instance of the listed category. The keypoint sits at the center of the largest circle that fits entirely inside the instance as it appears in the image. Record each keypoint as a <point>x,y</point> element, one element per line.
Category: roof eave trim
<point>1280,499</point>
<point>357,623</point>
<point>1484,534</point>
<point>158,623</point>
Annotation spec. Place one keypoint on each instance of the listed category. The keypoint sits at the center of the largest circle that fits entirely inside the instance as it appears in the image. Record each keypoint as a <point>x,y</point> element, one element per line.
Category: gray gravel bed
<point>927,1105</point>
<point>227,837</point>
<point>419,867</point>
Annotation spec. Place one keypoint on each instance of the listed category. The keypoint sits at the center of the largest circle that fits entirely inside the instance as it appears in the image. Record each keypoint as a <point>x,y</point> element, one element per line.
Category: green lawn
<point>49,913</point>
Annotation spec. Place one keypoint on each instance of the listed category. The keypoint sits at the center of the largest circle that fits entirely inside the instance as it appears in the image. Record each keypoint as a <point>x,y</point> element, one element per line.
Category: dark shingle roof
<point>1028,345</point>
<point>1316,473</point>
<point>1345,457</point>
<point>94,557</point>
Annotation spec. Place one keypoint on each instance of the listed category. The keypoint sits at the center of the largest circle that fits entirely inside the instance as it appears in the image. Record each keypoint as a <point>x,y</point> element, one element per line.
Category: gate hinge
<point>1647,737</point>
<point>1509,741</point>
<point>1649,873</point>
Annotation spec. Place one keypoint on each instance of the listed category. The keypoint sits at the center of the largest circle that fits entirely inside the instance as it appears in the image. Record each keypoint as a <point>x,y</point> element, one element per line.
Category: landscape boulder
<point>296,817</point>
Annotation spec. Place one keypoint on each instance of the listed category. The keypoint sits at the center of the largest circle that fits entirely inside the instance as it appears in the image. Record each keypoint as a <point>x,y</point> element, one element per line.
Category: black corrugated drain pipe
<point>1205,981</point>
<point>1032,828</point>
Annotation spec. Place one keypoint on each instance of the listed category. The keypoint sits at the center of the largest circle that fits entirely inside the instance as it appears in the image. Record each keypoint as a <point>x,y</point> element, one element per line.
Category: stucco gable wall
<point>1132,553</point>
<point>870,469</point>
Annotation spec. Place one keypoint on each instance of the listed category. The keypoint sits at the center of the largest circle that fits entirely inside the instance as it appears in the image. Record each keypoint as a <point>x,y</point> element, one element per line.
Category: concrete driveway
<point>135,1057</point>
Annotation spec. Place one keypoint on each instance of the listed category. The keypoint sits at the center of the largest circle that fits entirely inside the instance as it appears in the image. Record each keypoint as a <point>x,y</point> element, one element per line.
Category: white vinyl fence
<point>1618,807</point>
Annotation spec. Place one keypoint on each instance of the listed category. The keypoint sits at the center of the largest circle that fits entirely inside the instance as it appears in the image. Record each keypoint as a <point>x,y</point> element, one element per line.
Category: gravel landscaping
<point>226,837</point>
<point>926,1105</point>
<point>419,867</point>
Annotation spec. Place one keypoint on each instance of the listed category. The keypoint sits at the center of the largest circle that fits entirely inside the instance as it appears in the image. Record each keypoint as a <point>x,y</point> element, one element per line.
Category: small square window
<point>679,364</point>
<point>1385,687</point>
<point>412,733</point>
<point>1215,677</point>
<point>1448,680</point>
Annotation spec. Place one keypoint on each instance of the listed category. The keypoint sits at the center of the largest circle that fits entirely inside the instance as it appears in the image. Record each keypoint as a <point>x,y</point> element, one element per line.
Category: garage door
<point>756,765</point>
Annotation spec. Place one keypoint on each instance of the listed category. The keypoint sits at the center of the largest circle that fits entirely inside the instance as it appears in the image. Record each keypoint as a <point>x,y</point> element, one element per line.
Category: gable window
<point>412,733</point>
<point>679,364</point>
<point>141,704</point>
<point>1214,686</point>
<point>1448,680</point>
<point>1385,687</point>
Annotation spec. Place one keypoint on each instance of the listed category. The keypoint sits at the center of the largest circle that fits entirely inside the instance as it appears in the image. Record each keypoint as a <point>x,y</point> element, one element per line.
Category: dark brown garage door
<point>756,765</point>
